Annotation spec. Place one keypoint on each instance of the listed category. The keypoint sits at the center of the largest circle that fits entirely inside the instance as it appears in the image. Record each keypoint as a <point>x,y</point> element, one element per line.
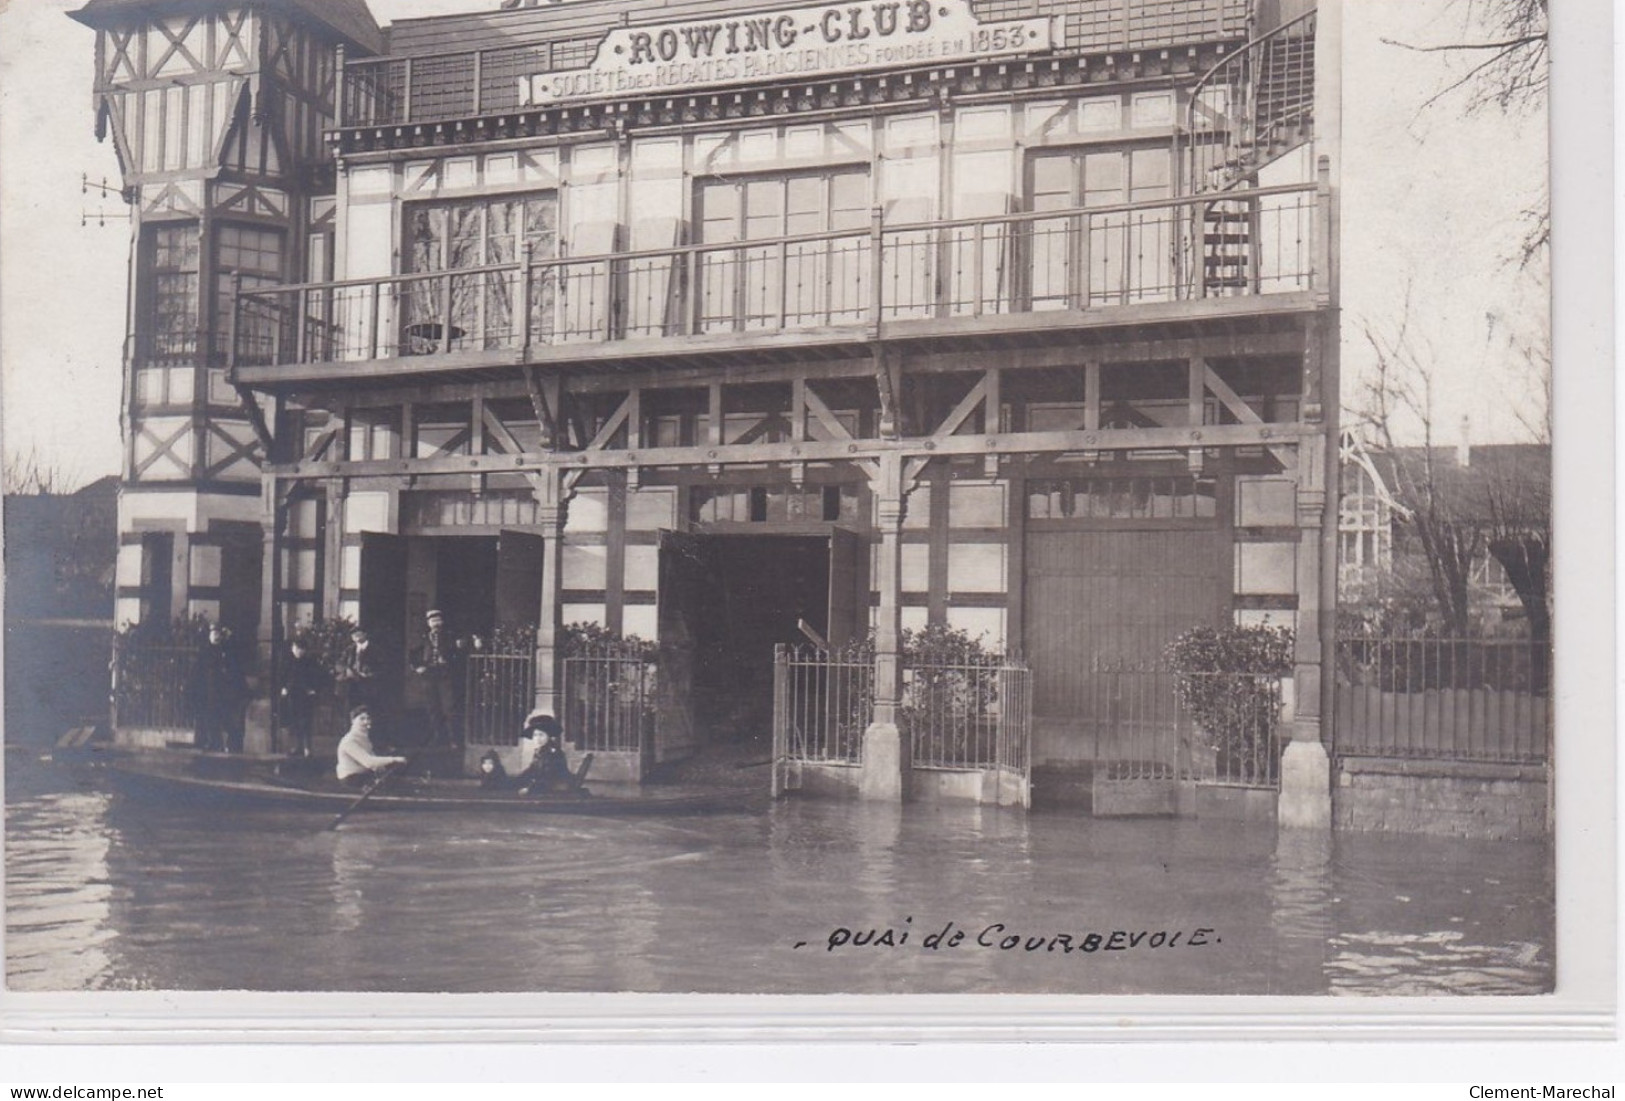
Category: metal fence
<point>1443,698</point>
<point>152,685</point>
<point>823,701</point>
<point>1229,728</point>
<point>610,698</point>
<point>500,691</point>
<point>1151,723</point>
<point>961,715</point>
<point>968,714</point>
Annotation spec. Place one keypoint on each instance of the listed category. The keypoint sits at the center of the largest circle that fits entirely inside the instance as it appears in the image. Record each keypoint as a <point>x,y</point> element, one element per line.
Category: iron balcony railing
<point>438,87</point>
<point>1254,243</point>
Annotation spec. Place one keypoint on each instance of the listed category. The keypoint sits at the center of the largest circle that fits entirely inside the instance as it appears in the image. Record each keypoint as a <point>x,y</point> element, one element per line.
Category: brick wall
<point>1443,798</point>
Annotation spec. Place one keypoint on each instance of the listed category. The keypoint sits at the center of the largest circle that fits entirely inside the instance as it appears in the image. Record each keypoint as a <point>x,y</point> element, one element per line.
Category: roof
<point>1511,480</point>
<point>349,19</point>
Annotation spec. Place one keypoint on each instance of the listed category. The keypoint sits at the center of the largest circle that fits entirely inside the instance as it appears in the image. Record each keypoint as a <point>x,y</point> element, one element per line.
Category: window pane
<point>1103,179</point>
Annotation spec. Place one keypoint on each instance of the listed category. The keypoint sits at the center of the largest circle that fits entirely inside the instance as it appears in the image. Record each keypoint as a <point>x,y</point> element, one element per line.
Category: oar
<point>367,794</point>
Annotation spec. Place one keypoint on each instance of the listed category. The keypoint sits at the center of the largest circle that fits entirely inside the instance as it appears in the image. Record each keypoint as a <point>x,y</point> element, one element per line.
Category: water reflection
<point>59,935</point>
<point>109,890</point>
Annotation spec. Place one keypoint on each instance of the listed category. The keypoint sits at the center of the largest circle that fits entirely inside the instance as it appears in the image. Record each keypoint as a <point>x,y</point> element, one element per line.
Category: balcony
<point>441,86</point>
<point>1234,254</point>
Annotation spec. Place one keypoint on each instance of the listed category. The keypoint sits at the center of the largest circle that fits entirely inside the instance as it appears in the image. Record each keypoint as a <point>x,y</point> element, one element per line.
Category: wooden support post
<point>261,718</point>
<point>550,517</point>
<point>714,435</point>
<point>886,763</point>
<point>798,425</point>
<point>1091,405</point>
<point>634,434</point>
<point>332,550</point>
<point>341,106</point>
<point>992,408</point>
<point>1196,381</point>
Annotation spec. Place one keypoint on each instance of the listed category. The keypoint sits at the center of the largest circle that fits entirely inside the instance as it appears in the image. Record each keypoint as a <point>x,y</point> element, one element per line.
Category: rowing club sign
<point>793,43</point>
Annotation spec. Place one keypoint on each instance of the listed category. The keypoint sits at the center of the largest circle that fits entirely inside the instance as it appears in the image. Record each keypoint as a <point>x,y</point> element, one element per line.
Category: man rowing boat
<point>358,763</point>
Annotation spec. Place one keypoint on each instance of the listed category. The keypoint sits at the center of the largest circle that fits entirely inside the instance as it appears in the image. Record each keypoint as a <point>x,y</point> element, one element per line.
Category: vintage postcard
<point>721,497</point>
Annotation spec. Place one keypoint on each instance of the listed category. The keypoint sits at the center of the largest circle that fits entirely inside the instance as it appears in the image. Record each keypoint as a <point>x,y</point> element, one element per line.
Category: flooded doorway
<point>726,600</point>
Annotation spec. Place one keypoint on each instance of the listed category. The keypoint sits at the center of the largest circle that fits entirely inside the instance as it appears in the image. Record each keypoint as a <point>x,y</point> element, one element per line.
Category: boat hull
<point>261,783</point>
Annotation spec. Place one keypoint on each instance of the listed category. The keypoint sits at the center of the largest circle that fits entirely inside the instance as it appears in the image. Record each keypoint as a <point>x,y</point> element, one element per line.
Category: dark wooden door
<point>848,587</point>
<point>383,606</point>
<point>1101,606</point>
<point>519,578</point>
<point>682,580</point>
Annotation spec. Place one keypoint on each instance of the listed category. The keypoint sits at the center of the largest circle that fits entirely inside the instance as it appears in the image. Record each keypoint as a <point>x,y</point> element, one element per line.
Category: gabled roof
<point>349,19</point>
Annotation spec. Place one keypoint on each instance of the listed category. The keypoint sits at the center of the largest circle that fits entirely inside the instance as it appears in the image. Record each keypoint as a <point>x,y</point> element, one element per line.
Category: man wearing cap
<point>436,661</point>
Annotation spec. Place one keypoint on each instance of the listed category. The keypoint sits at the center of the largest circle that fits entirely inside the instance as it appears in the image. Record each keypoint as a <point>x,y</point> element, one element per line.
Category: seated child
<point>493,777</point>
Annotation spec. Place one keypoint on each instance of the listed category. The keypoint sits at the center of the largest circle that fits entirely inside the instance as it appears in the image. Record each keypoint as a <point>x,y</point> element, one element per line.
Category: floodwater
<point>107,890</point>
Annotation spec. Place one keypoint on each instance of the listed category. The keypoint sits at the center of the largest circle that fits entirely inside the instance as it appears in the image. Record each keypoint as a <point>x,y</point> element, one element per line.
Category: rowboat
<point>305,784</point>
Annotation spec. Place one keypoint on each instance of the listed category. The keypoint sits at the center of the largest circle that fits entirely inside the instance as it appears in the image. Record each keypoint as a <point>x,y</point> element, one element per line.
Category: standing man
<point>358,671</point>
<point>301,681</point>
<point>438,660</point>
<point>220,690</point>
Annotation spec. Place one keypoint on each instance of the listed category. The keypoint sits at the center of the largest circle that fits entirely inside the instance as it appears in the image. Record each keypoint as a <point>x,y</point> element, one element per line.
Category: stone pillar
<point>550,515</point>
<point>886,762</point>
<point>1306,784</point>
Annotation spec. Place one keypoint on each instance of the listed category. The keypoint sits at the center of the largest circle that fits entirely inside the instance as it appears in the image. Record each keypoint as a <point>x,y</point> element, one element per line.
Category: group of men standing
<point>220,686</point>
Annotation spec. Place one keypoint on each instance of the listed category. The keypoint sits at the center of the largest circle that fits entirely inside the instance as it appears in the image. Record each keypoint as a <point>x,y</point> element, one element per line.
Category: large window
<point>1110,257</point>
<point>803,283</point>
<point>456,236</point>
<point>254,255</point>
<point>172,272</point>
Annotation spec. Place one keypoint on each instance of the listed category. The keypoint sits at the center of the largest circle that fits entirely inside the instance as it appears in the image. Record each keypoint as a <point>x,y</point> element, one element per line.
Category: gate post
<point>886,764</point>
<point>1306,772</point>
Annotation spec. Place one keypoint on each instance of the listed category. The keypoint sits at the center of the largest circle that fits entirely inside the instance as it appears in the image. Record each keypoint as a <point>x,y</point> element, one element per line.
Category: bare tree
<point>1503,45</point>
<point>28,474</point>
<point>1402,389</point>
<point>1454,516</point>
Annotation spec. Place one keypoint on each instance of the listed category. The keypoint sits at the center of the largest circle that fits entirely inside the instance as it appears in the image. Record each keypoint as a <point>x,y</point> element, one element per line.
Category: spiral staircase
<point>1251,109</point>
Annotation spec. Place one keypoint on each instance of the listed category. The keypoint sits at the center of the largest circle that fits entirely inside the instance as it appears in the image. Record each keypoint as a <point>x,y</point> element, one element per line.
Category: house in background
<point>727,324</point>
<point>60,550</point>
<point>1485,492</point>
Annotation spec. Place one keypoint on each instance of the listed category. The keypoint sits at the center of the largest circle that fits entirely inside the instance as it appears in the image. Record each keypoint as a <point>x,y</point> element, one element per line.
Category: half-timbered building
<point>729,324</point>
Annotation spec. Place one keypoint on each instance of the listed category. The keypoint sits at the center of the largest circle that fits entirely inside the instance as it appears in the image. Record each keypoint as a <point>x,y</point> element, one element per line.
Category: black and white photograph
<point>904,497</point>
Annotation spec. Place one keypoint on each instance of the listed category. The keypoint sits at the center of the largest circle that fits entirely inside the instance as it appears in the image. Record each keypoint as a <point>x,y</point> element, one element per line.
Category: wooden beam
<point>824,415</point>
<point>544,402</point>
<point>1240,409</point>
<point>256,418</point>
<point>504,435</point>
<point>613,425</point>
<point>961,412</point>
<point>1010,443</point>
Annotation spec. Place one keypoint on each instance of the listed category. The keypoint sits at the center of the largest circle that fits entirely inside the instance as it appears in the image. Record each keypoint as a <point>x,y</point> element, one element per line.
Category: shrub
<point>1228,680</point>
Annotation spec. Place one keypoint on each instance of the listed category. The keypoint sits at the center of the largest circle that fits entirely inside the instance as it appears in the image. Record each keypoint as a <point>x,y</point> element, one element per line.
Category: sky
<point>1431,208</point>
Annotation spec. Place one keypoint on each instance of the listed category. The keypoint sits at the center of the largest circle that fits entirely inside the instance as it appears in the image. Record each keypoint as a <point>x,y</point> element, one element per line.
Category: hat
<point>543,721</point>
<point>433,613</point>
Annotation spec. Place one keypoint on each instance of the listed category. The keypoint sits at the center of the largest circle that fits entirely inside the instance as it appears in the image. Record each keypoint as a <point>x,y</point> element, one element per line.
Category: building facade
<point>718,322</point>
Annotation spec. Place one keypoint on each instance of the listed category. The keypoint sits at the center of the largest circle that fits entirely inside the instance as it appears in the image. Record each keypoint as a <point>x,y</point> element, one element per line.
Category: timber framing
<point>998,444</point>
